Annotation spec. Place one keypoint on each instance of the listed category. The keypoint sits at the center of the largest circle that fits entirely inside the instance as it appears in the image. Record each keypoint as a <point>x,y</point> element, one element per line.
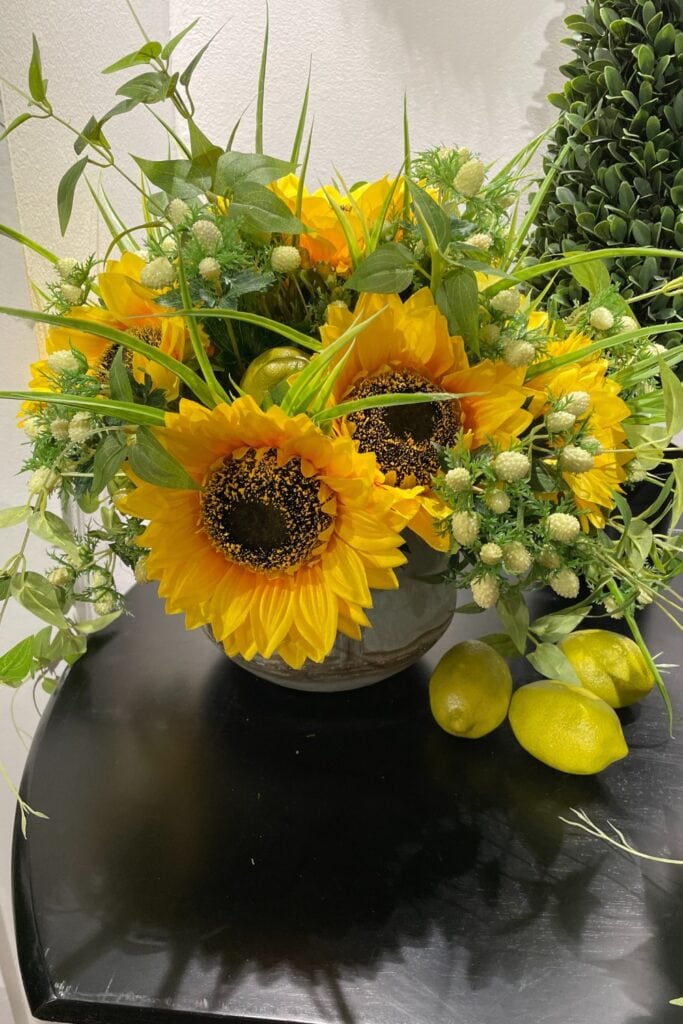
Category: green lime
<point>270,368</point>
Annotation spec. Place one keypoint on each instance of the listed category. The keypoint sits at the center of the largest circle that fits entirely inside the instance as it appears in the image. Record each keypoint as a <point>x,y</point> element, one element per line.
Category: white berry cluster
<point>470,178</point>
<point>285,259</point>
<point>511,466</point>
<point>563,527</point>
<point>485,590</point>
<point>158,273</point>
<point>459,479</point>
<point>208,236</point>
<point>465,527</point>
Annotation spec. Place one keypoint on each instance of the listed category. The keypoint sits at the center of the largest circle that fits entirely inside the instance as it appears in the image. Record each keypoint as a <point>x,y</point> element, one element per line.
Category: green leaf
<point>51,528</point>
<point>501,643</point>
<point>5,582</point>
<point>388,269</point>
<point>594,277</point>
<point>120,387</point>
<point>187,74</point>
<point>432,220</point>
<point>458,299</point>
<point>38,597</point>
<point>172,43</point>
<point>15,665</point>
<point>150,87</point>
<point>677,508</point>
<point>49,684</point>
<point>142,56</point>
<point>673,398</point>
<point>553,664</point>
<point>234,169</point>
<point>204,152</point>
<point>14,516</point>
<point>180,179</point>
<point>109,457</point>
<point>37,85</point>
<point>514,615</point>
<point>65,192</point>
<point>15,124</point>
<point>42,642</point>
<point>676,1002</point>
<point>557,625</point>
<point>88,626</point>
<point>260,210</point>
<point>92,133</point>
<point>301,124</point>
<point>151,462</point>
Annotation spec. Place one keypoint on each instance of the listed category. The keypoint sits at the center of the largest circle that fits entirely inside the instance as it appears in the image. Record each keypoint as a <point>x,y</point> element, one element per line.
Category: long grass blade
<point>302,176</point>
<point>550,266</point>
<point>382,401</point>
<point>406,157</point>
<point>255,319</point>
<point>113,228</point>
<point>129,412</point>
<point>296,147</point>
<point>598,346</point>
<point>24,240</point>
<point>128,341</point>
<point>261,89</point>
<point>516,241</point>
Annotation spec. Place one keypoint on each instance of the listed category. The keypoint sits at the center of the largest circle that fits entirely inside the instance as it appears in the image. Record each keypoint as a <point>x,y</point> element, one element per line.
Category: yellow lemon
<point>469,690</point>
<point>271,367</point>
<point>566,727</point>
<point>609,665</point>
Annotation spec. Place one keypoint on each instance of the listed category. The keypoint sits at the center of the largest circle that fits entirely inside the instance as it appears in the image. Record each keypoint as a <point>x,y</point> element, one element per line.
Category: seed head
<point>59,429</point>
<point>506,302</point>
<point>66,267</point>
<point>549,559</point>
<point>208,236</point>
<point>578,403</point>
<point>519,353</point>
<point>491,554</point>
<point>177,212</point>
<point>465,527</point>
<point>485,590</point>
<point>159,273</point>
<point>563,527</point>
<point>470,178</point>
<point>458,479</point>
<point>576,460</point>
<point>81,428</point>
<point>63,361</point>
<point>489,334</point>
<point>565,583</point>
<point>72,294</point>
<point>601,319</point>
<point>480,240</point>
<point>498,501</point>
<point>209,268</point>
<point>558,422</point>
<point>285,259</point>
<point>516,558</point>
<point>511,466</point>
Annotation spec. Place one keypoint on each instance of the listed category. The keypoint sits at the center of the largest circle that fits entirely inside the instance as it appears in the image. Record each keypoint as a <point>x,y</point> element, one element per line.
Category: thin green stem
<point>217,392</point>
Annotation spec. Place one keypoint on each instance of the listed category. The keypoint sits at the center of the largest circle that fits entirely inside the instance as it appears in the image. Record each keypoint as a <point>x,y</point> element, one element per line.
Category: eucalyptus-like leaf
<point>170,46</point>
<point>16,663</point>
<point>550,661</point>
<point>594,277</point>
<point>38,597</point>
<point>18,120</point>
<point>144,55</point>
<point>501,643</point>
<point>179,179</point>
<point>153,463</point>
<point>37,85</point>
<point>434,223</point>
<point>458,299</point>
<point>110,455</point>
<point>89,626</point>
<point>389,269</point>
<point>259,210</point>
<point>557,625</point>
<point>14,516</point>
<point>51,528</point>
<point>66,190</point>
<point>514,614</point>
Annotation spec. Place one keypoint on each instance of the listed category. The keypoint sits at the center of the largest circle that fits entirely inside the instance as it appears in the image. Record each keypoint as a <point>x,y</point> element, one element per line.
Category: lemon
<point>271,367</point>
<point>469,690</point>
<point>567,727</point>
<point>609,665</point>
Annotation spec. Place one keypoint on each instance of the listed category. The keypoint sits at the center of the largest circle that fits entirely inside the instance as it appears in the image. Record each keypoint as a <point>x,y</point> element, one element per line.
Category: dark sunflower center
<point>261,515</point>
<point>403,436</point>
<point>148,333</point>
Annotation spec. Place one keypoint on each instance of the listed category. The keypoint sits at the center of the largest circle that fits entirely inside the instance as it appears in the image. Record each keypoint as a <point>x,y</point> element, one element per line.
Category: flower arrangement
<point>256,394</point>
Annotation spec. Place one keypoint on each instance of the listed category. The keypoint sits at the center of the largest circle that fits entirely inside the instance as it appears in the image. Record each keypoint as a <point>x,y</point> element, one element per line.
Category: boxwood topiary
<point>620,180</point>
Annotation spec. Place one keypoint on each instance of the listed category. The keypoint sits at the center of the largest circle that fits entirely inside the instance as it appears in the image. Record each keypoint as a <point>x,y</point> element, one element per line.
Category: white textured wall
<point>476,73</point>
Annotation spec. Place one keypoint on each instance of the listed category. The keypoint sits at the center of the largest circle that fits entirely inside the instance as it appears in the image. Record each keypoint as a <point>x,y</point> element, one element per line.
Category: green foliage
<point>620,181</point>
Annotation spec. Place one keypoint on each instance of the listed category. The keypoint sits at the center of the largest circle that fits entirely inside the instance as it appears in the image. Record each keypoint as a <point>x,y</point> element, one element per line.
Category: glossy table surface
<point>221,848</point>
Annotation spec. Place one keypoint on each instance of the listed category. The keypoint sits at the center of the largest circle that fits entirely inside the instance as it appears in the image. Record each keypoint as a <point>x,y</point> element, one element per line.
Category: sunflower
<point>325,241</point>
<point>278,546</point>
<point>408,348</point>
<point>593,490</point>
<point>127,306</point>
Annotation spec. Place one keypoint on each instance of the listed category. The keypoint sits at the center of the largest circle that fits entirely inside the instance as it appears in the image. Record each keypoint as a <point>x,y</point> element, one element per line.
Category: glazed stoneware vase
<point>405,624</point>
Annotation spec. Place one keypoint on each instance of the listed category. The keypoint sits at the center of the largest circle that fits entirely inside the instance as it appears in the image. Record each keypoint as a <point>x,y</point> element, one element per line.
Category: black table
<point>221,848</point>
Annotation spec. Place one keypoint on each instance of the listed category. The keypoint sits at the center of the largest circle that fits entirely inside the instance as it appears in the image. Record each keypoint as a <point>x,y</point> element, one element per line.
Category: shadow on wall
<point>490,51</point>
<point>554,54</point>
